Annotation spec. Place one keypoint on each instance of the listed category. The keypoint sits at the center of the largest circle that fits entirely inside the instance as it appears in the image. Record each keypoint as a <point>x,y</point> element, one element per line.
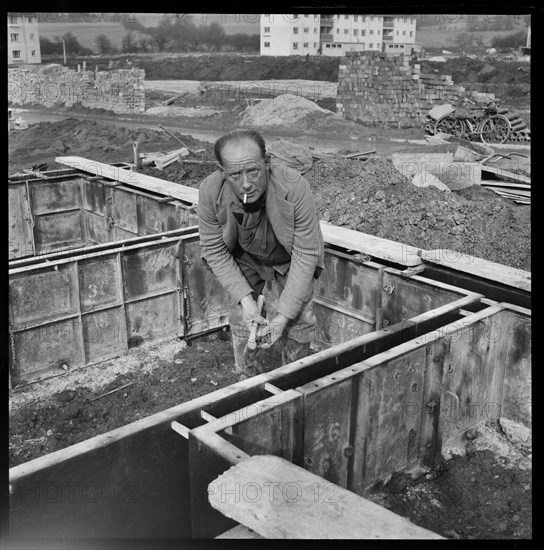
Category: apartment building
<point>23,39</point>
<point>341,33</point>
<point>290,34</point>
<point>336,34</point>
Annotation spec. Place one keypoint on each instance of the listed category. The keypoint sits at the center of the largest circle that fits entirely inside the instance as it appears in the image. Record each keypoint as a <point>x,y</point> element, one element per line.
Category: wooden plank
<point>506,173</point>
<point>466,263</point>
<point>506,184</point>
<point>376,247</point>
<point>132,179</point>
<point>239,532</point>
<point>291,510</point>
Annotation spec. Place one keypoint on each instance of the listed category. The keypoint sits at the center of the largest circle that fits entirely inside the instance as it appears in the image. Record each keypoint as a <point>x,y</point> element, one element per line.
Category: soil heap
<point>373,197</point>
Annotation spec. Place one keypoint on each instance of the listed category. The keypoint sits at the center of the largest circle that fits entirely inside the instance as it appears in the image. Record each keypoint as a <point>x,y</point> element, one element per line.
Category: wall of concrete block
<point>120,91</point>
<point>374,87</point>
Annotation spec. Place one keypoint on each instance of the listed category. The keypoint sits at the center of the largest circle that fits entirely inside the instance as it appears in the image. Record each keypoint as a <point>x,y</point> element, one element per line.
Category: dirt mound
<point>373,197</point>
<point>44,141</point>
<point>287,110</point>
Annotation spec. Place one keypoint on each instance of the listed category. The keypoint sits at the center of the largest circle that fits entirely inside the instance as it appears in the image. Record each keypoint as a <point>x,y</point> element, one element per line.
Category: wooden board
<point>301,505</point>
<point>506,173</point>
<point>481,268</point>
<point>132,179</point>
<point>376,247</point>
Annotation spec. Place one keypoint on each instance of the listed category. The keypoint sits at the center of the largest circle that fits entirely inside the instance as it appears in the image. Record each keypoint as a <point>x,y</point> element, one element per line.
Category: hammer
<point>251,343</point>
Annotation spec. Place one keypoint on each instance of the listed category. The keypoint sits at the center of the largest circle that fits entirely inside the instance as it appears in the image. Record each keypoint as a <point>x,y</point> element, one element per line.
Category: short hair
<point>238,135</point>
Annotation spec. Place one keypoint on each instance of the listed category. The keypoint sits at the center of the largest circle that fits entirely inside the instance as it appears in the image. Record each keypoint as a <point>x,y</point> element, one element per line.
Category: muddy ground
<point>483,492</point>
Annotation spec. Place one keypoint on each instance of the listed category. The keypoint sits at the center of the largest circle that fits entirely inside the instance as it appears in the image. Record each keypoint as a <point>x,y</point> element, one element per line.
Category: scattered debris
<point>113,391</point>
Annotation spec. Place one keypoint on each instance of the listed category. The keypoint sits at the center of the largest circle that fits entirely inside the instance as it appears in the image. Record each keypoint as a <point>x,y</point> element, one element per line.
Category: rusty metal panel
<point>57,230</point>
<point>124,210</point>
<point>516,395</point>
<point>207,301</point>
<point>19,231</point>
<point>42,295</point>
<point>391,441</point>
<point>99,284</point>
<point>104,334</point>
<point>153,319</point>
<point>55,196</point>
<point>335,327</point>
<point>149,271</point>
<point>156,217</point>
<point>95,228</point>
<point>120,234</point>
<point>43,350</point>
<point>404,298</point>
<point>327,424</point>
<point>93,196</point>
<point>347,283</point>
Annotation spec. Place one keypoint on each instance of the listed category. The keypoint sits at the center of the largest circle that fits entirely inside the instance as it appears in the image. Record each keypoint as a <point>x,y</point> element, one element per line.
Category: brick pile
<point>120,91</point>
<point>374,87</point>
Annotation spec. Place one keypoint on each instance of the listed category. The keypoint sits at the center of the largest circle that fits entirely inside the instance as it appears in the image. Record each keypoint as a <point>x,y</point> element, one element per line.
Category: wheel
<point>495,129</point>
<point>450,125</point>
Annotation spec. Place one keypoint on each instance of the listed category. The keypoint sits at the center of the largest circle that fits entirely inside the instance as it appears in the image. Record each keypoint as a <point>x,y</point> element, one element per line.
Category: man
<point>257,223</point>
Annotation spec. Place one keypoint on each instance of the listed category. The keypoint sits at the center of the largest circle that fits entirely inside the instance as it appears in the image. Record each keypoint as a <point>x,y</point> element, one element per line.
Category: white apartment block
<point>289,34</point>
<point>336,34</point>
<point>23,39</point>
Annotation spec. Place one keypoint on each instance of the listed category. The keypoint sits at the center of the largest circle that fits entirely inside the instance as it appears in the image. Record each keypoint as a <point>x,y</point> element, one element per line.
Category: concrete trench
<point>405,362</point>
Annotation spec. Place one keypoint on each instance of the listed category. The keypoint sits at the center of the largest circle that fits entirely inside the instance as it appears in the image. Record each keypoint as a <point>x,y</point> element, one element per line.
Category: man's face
<point>245,169</point>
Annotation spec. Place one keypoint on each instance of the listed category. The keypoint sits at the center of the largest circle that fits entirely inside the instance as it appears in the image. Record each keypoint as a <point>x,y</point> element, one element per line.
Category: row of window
<point>362,44</point>
<point>16,54</point>
<point>295,45</point>
<point>15,37</point>
<point>13,19</point>
<point>411,20</point>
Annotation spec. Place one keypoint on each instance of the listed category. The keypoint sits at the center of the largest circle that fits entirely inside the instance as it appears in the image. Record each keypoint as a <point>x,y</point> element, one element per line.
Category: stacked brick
<point>377,88</point>
<point>120,91</point>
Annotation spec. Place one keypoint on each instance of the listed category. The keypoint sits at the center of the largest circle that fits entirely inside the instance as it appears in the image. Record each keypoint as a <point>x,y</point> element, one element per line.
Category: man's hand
<point>250,312</point>
<point>274,328</point>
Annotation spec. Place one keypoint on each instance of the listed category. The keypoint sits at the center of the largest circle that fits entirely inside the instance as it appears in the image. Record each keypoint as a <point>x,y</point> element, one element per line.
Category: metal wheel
<point>495,129</point>
<point>450,125</point>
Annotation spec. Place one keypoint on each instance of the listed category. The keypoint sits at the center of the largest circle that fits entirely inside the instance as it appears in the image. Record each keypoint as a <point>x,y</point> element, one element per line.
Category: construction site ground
<point>370,196</point>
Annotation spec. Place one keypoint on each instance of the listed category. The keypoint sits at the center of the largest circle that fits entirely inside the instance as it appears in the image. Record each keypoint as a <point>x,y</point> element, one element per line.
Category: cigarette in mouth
<point>245,198</point>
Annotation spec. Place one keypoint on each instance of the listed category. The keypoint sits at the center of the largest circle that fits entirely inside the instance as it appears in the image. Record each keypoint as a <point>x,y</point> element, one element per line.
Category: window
<point>372,18</point>
<point>306,29</point>
<point>363,32</point>
<point>16,54</point>
<point>364,18</point>
<point>31,36</point>
<point>306,15</point>
<point>404,19</point>
<point>295,30</point>
<point>411,33</point>
<point>33,53</point>
<point>267,29</point>
<point>295,45</point>
<point>305,45</point>
<point>13,20</point>
<point>15,37</point>
<point>355,17</point>
<point>346,31</point>
<point>337,31</point>
<point>327,45</point>
<point>315,30</point>
<point>371,31</point>
<point>397,33</point>
<point>295,16</point>
<point>315,44</point>
<point>346,17</point>
<point>267,44</point>
<point>339,45</point>
<point>355,32</point>
<point>371,45</point>
<point>403,33</point>
<point>378,31</point>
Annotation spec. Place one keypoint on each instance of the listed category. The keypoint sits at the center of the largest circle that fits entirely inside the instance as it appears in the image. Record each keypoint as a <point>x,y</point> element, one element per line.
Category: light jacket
<point>290,208</point>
